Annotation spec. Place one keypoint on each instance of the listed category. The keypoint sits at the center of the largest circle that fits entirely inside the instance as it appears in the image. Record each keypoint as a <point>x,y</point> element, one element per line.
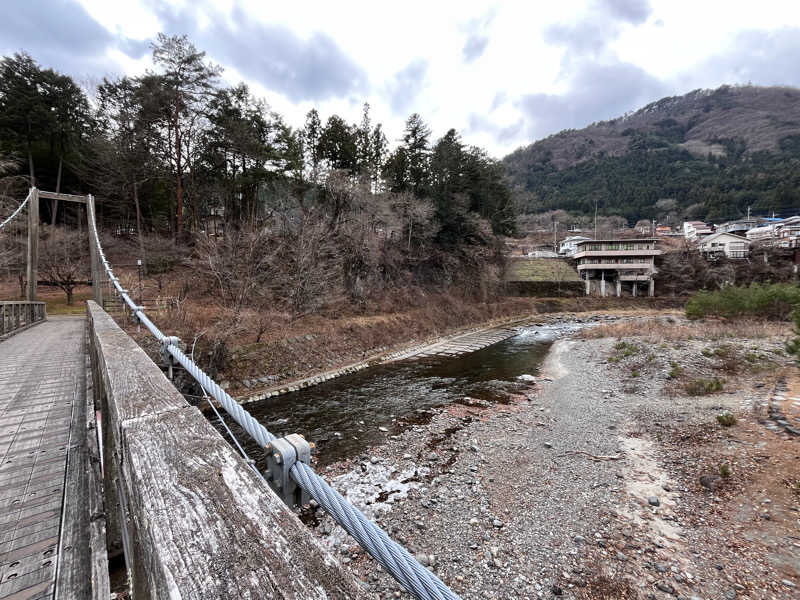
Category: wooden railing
<point>17,316</point>
<point>194,520</point>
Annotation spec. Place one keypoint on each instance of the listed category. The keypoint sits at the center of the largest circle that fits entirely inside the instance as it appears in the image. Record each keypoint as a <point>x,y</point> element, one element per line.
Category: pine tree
<point>189,85</point>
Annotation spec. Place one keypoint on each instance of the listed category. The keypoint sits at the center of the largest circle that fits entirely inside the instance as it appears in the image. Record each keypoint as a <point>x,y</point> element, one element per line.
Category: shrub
<point>793,346</point>
<point>703,387</point>
<point>725,470</point>
<point>626,349</point>
<point>675,371</point>
<point>724,351</point>
<point>771,301</point>
<point>726,419</point>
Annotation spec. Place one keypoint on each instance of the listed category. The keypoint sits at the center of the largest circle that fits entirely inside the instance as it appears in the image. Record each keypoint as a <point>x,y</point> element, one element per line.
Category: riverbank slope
<point>610,477</point>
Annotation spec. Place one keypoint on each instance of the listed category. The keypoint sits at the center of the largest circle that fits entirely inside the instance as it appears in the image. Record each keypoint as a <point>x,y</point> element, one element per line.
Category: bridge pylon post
<point>32,271</point>
<point>97,270</point>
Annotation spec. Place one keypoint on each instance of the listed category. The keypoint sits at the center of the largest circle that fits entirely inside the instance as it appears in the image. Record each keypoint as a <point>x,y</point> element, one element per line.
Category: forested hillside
<point>300,217</point>
<point>710,154</point>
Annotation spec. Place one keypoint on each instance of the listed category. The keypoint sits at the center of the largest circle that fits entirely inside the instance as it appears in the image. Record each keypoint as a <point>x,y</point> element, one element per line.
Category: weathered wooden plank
<point>201,524</point>
<point>33,244</point>
<point>35,420</point>
<point>147,391</point>
<point>65,197</point>
<point>73,575</point>
<point>101,587</point>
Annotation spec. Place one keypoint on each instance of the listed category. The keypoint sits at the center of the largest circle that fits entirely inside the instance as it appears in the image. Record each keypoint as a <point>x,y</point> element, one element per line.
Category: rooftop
<point>619,241</point>
<point>714,236</point>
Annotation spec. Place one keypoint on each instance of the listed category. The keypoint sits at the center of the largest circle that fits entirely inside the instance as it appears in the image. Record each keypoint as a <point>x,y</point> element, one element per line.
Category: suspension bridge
<point>103,461</point>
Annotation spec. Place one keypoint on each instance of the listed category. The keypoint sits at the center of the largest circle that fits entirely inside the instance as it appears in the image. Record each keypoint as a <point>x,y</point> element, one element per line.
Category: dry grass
<point>659,330</point>
<point>540,269</point>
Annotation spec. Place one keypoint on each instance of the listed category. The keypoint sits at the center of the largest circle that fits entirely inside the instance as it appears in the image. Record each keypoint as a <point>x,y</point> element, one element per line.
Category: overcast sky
<point>503,74</point>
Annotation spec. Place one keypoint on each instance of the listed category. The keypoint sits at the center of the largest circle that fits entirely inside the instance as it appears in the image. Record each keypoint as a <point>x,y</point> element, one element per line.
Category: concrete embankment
<point>462,342</point>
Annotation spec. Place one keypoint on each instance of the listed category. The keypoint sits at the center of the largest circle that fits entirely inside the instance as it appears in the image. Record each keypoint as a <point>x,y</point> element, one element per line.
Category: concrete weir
<point>462,344</point>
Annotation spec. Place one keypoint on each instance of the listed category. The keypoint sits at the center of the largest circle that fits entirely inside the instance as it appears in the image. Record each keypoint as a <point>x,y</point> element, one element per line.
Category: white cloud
<point>500,76</point>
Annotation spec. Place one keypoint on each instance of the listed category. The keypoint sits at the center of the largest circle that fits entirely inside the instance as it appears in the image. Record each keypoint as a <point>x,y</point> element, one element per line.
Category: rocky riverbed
<point>602,478</point>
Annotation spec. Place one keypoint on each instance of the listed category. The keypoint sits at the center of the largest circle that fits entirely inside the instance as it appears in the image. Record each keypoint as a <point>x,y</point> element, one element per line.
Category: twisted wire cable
<point>16,212</point>
<point>418,580</point>
<point>397,561</point>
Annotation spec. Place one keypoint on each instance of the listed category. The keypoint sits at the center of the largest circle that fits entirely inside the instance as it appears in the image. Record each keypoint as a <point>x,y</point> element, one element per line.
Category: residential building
<point>787,233</point>
<point>625,264</point>
<point>762,233</point>
<point>694,230</point>
<point>569,245</point>
<point>740,226</point>
<point>663,230</point>
<point>728,245</point>
<point>784,233</point>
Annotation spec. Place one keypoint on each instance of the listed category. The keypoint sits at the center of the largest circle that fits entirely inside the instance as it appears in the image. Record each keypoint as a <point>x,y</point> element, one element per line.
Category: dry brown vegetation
<point>660,330</point>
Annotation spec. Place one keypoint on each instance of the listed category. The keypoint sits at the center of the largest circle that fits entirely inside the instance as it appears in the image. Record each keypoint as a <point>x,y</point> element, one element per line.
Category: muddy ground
<point>610,476</point>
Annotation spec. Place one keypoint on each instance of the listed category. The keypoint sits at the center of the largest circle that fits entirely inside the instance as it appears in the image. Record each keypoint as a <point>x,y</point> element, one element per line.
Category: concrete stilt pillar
<point>634,289</point>
<point>619,288</point>
<point>603,288</point>
<point>652,290</point>
<point>588,285</point>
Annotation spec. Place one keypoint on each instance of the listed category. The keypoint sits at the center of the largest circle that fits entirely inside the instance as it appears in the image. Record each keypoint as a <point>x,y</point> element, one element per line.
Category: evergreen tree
<point>380,148</point>
<point>364,149</point>
<point>189,85</point>
<point>416,143</point>
<point>338,145</point>
<point>311,134</point>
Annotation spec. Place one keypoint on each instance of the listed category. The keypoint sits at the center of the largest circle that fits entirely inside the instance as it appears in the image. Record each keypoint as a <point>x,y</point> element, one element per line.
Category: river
<point>346,416</point>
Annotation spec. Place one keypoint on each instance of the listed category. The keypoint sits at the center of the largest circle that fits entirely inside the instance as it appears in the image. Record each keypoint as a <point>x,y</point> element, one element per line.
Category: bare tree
<point>63,259</point>
<point>238,263</point>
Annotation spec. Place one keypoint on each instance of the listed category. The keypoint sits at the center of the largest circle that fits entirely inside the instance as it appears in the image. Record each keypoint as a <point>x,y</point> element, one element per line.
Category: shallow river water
<point>346,416</point>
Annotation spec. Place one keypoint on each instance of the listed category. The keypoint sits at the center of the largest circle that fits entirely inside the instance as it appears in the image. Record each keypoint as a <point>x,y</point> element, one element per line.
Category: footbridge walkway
<point>103,460</point>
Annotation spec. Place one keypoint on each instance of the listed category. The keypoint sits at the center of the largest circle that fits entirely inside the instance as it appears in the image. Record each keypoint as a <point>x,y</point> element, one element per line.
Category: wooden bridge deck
<point>42,392</point>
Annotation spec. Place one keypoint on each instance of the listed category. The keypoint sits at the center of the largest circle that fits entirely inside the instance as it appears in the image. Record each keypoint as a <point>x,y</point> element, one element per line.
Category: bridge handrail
<point>16,316</point>
<point>16,212</point>
<point>194,520</point>
<point>417,580</point>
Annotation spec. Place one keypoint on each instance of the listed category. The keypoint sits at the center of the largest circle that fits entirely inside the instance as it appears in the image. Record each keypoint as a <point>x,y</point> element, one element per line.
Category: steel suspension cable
<point>16,212</point>
<point>418,580</point>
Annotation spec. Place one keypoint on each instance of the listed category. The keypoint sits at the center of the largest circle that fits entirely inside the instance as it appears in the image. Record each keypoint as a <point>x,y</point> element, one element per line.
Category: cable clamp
<point>282,454</point>
<point>166,342</point>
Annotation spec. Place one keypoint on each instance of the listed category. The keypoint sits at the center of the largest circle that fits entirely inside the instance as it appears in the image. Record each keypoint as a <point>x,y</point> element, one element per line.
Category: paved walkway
<point>42,376</point>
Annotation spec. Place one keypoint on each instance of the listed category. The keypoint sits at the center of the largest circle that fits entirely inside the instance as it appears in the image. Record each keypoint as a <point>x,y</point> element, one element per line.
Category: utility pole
<point>139,268</point>
<point>595,218</point>
<point>555,229</point>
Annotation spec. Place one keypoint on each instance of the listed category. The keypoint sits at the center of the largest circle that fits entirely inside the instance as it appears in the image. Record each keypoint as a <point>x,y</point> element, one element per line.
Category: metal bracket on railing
<point>282,454</point>
<point>166,342</point>
<point>136,311</point>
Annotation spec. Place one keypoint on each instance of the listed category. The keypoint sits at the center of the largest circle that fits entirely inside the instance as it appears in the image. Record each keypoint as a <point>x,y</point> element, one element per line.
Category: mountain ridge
<point>706,147</point>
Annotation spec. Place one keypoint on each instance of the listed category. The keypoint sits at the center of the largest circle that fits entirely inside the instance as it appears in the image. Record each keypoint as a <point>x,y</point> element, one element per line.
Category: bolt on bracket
<point>282,454</point>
